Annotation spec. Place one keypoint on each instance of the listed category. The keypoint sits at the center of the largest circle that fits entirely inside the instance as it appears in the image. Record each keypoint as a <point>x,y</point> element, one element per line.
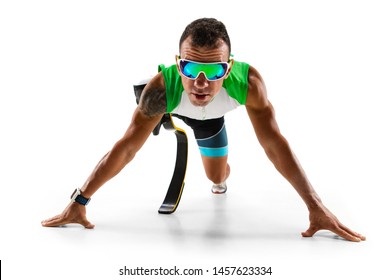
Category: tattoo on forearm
<point>153,102</point>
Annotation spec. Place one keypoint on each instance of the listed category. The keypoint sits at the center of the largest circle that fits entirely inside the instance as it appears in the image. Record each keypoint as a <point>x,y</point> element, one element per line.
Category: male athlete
<point>203,85</point>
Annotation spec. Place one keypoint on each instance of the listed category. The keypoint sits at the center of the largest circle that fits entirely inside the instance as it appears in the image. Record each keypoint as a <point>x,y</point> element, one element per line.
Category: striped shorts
<point>210,135</point>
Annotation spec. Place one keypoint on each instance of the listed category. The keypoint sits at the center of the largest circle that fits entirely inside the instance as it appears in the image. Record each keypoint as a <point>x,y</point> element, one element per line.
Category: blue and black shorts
<point>210,135</point>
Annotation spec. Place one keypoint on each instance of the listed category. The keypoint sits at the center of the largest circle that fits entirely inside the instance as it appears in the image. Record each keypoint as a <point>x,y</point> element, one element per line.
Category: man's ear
<point>231,62</point>
<point>177,57</point>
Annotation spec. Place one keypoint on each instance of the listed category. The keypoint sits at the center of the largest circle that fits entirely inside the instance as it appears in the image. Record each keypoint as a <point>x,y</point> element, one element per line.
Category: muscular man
<point>203,85</point>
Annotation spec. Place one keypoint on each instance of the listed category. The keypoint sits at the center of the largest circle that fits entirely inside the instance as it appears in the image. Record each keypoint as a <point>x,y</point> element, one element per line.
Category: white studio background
<point>66,75</point>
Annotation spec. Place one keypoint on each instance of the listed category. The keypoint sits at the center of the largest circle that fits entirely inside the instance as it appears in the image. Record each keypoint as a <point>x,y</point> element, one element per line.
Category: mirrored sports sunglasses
<point>213,71</point>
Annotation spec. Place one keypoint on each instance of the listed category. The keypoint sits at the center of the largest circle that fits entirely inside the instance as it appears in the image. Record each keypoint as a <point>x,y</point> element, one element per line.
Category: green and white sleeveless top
<point>233,94</point>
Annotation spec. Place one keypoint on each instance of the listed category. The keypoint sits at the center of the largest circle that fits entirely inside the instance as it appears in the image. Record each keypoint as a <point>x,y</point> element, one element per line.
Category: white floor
<point>257,223</point>
<point>66,97</point>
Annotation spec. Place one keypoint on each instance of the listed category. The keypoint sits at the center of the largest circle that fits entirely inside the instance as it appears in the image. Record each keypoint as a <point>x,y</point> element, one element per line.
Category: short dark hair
<point>206,32</point>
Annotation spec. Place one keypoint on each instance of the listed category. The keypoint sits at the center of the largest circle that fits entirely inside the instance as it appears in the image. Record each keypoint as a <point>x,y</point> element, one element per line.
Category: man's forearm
<point>288,165</point>
<point>109,166</point>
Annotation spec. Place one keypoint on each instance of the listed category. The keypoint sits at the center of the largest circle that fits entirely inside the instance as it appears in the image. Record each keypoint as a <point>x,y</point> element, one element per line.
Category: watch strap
<point>79,198</point>
<point>82,200</point>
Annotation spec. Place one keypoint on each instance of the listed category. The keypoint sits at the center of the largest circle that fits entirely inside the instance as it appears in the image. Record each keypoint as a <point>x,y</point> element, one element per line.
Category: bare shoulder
<point>153,99</point>
<point>257,92</point>
<point>260,110</point>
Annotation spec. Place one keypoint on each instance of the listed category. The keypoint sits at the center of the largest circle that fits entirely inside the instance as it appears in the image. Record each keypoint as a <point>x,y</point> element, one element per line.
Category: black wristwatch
<point>77,197</point>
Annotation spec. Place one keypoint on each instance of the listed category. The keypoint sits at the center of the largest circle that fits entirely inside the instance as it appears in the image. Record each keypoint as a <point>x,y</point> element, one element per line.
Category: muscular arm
<point>262,116</point>
<point>146,116</point>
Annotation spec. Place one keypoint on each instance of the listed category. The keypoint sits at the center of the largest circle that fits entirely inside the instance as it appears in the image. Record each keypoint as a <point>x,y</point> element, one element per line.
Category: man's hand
<point>73,213</point>
<point>323,219</point>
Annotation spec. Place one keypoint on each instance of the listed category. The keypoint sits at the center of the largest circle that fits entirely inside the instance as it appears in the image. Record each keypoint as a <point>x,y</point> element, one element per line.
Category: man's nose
<point>201,81</point>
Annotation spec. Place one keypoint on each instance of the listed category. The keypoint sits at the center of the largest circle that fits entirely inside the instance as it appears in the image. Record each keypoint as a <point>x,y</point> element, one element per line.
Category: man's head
<point>205,41</point>
<point>206,32</point>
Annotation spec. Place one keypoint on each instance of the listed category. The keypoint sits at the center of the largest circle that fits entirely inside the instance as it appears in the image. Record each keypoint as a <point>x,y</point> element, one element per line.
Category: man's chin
<point>199,103</point>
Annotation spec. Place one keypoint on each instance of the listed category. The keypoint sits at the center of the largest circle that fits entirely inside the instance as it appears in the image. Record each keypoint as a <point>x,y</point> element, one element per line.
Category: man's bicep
<point>153,99</point>
<point>266,129</point>
<point>264,121</point>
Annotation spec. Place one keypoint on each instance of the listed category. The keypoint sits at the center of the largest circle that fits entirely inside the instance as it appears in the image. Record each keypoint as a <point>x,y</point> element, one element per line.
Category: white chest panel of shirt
<point>218,107</point>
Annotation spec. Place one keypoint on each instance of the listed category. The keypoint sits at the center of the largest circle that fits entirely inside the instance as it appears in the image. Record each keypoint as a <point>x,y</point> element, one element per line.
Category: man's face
<point>202,91</point>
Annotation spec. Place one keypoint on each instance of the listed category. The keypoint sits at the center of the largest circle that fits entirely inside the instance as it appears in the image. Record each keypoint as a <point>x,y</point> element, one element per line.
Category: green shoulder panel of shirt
<point>236,84</point>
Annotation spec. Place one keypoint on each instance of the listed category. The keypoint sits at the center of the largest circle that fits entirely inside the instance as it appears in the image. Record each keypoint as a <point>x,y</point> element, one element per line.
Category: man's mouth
<point>200,96</point>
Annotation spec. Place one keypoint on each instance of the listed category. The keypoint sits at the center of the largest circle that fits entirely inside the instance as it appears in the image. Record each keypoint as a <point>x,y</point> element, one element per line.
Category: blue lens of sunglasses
<point>212,71</point>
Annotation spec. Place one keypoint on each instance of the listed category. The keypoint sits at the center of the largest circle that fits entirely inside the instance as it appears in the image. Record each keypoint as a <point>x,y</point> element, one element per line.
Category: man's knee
<point>218,176</point>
